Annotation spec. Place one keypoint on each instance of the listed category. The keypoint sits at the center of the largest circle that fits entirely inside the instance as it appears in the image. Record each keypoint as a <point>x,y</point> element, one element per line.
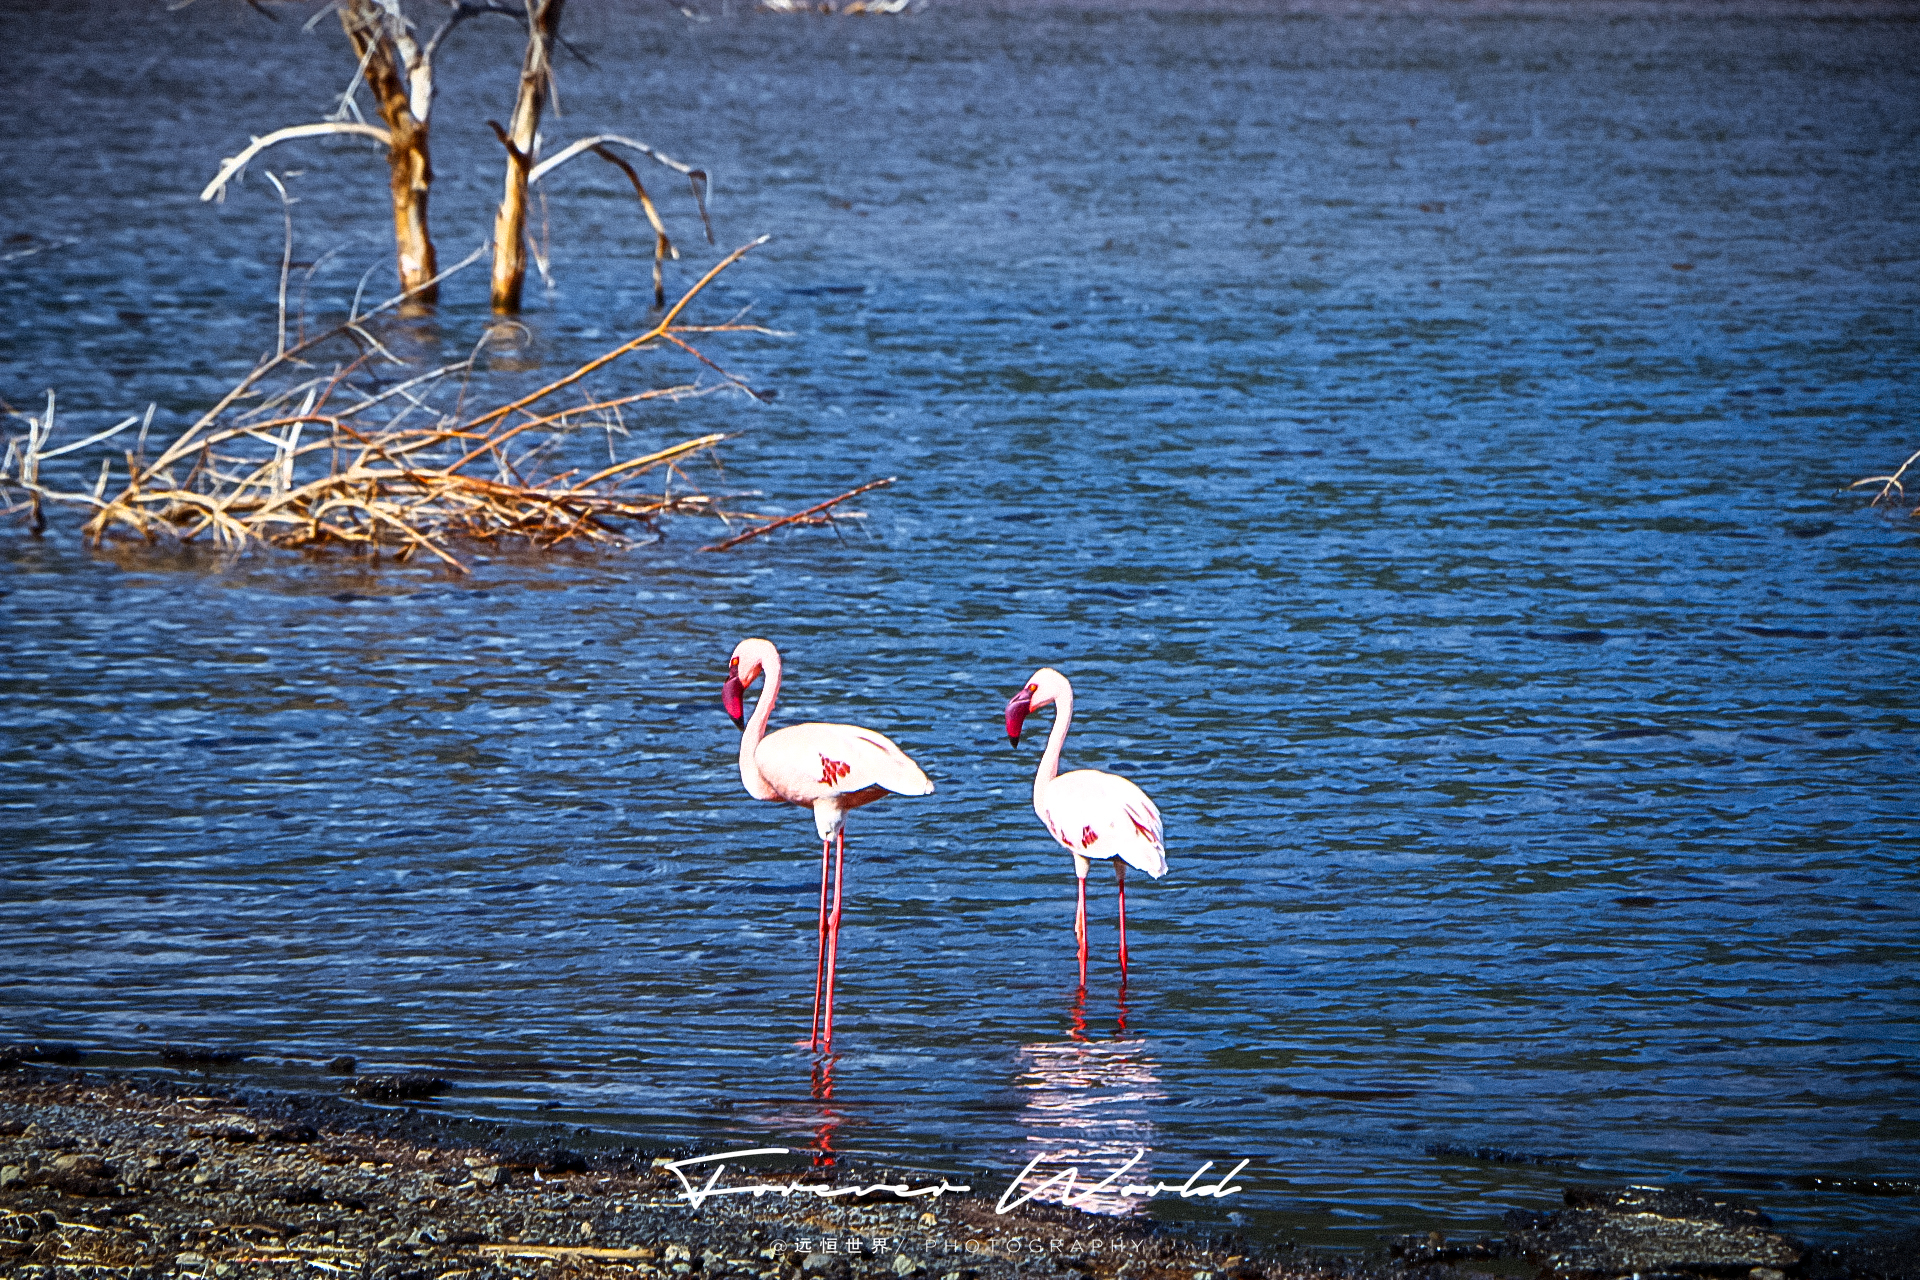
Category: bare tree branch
<point>661,245</point>
<point>697,177</point>
<point>464,9</point>
<point>232,166</point>
<point>587,144</point>
<point>286,260</point>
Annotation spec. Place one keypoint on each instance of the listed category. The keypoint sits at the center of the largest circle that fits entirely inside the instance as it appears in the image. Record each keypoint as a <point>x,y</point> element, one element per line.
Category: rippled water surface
<point>1417,436</point>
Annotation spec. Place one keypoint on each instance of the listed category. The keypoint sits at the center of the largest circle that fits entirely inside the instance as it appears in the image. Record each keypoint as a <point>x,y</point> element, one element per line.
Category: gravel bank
<point>103,1176</point>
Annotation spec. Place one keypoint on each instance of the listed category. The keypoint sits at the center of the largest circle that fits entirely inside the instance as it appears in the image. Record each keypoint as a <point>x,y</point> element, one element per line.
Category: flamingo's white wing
<point>807,762</point>
<point>1099,815</point>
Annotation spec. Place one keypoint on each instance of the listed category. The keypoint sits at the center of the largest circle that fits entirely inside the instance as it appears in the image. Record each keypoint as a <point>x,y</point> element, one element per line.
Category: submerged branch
<point>798,517</point>
<point>1890,485</point>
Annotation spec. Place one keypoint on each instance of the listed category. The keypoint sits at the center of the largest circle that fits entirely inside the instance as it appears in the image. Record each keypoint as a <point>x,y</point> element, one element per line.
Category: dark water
<point>1417,436</point>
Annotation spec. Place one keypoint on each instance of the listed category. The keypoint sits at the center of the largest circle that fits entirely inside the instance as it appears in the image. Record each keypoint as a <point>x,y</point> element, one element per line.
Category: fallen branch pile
<point>300,458</point>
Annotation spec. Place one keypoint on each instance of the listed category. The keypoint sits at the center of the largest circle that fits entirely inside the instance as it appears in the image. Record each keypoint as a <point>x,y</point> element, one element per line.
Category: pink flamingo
<point>829,768</point>
<point>1094,814</point>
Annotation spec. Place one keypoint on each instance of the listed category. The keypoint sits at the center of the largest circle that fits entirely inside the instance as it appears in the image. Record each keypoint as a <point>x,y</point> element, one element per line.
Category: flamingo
<point>1094,814</point>
<point>829,768</point>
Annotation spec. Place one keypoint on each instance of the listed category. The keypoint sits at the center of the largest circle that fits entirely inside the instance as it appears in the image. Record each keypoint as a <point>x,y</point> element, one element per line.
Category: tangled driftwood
<point>297,458</point>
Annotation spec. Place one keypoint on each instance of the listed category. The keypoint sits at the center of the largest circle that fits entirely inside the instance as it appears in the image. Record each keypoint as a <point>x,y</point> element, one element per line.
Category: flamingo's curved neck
<point>1056,740</point>
<point>757,785</point>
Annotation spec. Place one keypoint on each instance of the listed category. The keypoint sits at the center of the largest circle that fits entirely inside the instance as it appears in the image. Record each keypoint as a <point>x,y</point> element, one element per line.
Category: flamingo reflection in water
<point>1089,1106</point>
<point>828,1119</point>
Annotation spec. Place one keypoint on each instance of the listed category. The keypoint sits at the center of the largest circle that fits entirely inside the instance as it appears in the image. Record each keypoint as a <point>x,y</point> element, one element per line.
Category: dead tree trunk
<point>400,74</point>
<point>510,222</point>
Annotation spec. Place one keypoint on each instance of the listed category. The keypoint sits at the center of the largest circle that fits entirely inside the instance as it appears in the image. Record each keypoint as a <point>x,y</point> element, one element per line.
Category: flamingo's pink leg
<point>833,928</point>
<point>1120,872</point>
<point>1080,926</point>
<point>820,951</point>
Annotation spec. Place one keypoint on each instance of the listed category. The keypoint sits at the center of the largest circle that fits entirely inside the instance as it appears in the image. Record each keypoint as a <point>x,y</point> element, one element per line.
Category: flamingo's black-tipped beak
<point>1017,710</point>
<point>731,698</point>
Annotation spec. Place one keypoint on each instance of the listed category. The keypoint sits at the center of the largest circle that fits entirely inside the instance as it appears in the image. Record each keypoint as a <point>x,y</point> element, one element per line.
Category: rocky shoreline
<point>130,1177</point>
<point>102,1175</point>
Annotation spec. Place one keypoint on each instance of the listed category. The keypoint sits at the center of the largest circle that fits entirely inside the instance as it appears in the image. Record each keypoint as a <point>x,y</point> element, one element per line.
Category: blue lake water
<point>1419,436</point>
